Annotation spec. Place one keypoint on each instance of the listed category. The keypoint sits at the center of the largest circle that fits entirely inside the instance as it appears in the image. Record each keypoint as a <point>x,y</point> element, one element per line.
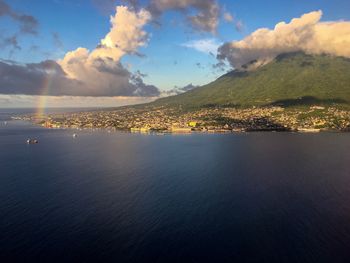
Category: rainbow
<point>42,100</point>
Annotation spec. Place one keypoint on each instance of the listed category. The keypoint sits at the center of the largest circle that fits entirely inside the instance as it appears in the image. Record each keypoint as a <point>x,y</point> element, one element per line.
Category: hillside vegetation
<point>290,80</point>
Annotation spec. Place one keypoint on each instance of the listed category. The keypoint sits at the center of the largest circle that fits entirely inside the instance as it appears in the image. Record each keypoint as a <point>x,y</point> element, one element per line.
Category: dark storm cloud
<point>47,66</point>
<point>33,78</point>
<point>29,79</point>
<point>27,23</point>
<point>205,19</point>
<point>142,89</point>
<point>110,67</point>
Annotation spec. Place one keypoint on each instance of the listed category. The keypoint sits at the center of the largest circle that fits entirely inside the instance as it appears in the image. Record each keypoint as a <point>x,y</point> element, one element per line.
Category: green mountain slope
<point>290,79</point>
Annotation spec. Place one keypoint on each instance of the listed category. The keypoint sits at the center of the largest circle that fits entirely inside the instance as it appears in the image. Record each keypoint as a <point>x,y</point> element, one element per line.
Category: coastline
<point>313,119</point>
<point>180,132</point>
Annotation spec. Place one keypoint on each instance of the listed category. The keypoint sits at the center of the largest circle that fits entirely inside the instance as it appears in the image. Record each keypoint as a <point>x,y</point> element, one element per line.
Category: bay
<point>253,197</point>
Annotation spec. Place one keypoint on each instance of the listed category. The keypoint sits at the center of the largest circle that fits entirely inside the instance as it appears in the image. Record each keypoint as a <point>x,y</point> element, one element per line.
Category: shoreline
<point>189,132</point>
<point>164,120</point>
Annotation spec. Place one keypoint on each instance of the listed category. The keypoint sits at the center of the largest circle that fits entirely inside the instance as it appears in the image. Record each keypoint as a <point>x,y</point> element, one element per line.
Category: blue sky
<point>167,61</point>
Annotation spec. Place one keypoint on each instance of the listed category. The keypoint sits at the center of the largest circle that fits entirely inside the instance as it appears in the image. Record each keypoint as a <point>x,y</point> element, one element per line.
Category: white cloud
<point>208,46</point>
<point>306,34</point>
<point>101,68</point>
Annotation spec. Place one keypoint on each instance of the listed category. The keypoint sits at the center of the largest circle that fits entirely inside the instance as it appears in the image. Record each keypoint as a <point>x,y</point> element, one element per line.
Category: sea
<point>121,197</point>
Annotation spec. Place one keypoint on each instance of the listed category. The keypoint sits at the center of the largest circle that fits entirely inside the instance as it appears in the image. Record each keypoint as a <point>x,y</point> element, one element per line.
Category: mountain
<point>289,80</point>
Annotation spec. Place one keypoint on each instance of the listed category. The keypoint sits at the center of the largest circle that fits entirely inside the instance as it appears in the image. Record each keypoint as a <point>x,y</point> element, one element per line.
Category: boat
<point>75,135</point>
<point>32,141</point>
<point>180,130</point>
<point>308,130</point>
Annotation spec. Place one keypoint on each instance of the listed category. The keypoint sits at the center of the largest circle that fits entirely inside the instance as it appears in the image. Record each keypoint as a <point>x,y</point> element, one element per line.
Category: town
<point>162,119</point>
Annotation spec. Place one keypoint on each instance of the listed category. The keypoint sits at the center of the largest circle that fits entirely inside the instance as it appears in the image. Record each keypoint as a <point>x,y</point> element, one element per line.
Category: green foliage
<point>291,80</point>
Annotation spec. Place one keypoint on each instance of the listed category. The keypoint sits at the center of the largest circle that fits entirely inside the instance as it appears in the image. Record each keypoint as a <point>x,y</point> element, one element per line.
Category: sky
<point>78,53</point>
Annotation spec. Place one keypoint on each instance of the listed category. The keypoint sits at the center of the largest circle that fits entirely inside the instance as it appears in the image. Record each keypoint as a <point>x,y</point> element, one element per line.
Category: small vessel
<point>75,135</point>
<point>308,130</point>
<point>32,141</point>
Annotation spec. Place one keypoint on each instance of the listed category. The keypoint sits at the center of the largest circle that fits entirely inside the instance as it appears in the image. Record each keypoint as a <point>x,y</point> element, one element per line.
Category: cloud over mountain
<point>178,90</point>
<point>305,34</point>
<point>88,73</point>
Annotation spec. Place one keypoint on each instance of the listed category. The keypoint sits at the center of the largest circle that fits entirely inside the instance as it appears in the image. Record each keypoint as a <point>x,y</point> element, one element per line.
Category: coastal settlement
<point>163,119</point>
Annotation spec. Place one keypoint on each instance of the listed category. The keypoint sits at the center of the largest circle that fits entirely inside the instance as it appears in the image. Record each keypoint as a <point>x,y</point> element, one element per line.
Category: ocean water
<point>254,197</point>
